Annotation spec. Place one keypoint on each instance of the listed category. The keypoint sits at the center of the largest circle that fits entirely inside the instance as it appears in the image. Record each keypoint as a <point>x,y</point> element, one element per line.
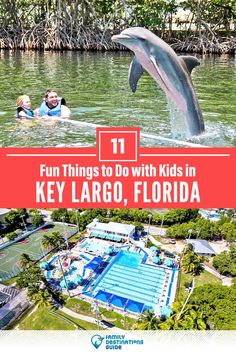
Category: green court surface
<point>32,245</point>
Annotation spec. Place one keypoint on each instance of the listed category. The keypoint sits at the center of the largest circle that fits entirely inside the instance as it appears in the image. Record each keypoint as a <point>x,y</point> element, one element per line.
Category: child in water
<point>23,108</point>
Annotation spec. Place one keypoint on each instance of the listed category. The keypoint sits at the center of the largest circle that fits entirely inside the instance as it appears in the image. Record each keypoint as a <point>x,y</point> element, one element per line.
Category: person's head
<point>23,101</point>
<point>51,97</point>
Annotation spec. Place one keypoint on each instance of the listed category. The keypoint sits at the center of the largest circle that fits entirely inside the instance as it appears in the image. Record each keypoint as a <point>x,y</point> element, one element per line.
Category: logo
<point>114,341</point>
<point>97,340</point>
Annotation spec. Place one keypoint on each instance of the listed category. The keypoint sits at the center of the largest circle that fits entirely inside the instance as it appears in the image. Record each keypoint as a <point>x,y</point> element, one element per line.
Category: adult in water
<point>23,108</point>
<point>53,106</point>
<point>170,71</point>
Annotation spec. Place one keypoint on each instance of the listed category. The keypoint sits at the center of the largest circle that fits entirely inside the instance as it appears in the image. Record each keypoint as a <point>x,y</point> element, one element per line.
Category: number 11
<point>118,143</point>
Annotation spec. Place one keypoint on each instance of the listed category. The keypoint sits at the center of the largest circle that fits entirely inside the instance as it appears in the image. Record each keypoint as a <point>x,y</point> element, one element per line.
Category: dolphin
<point>170,71</point>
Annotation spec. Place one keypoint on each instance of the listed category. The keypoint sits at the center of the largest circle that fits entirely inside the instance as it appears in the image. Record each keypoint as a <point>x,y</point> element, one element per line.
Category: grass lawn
<point>75,238</point>
<point>9,281</point>
<point>204,278</point>
<point>42,319</point>
<point>45,319</point>
<point>80,306</point>
<point>112,317</point>
<point>162,240</point>
<point>117,319</point>
<point>82,325</point>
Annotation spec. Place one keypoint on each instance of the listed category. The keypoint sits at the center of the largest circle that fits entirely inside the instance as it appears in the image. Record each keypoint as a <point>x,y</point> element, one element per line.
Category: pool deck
<point>87,291</point>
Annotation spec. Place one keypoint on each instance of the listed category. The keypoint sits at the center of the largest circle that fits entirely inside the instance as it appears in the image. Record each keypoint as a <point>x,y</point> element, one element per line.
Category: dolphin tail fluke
<point>135,72</point>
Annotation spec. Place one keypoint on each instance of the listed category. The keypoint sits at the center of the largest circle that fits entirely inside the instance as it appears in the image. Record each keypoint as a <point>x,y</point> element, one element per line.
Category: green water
<point>96,89</point>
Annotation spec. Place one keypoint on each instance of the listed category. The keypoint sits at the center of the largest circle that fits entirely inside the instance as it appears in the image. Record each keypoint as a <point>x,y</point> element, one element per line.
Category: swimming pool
<point>211,215</point>
<point>129,279</point>
<point>94,247</point>
<point>74,271</point>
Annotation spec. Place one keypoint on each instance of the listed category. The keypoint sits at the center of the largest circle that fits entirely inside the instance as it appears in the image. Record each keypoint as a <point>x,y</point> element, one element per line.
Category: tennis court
<point>32,245</point>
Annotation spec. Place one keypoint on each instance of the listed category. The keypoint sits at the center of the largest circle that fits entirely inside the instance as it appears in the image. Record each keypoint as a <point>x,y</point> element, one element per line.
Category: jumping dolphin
<point>170,71</point>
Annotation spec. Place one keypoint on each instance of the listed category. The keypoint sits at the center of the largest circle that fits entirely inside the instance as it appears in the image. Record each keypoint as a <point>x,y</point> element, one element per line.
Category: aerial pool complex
<point>131,284</point>
<point>125,279</point>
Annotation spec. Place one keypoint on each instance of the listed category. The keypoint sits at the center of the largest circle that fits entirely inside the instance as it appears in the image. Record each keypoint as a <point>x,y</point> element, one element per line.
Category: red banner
<point>118,173</point>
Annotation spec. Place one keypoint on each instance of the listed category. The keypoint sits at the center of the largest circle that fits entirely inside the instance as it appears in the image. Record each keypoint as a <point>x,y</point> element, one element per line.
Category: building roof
<point>3,297</point>
<point>3,211</point>
<point>201,246</point>
<point>116,227</point>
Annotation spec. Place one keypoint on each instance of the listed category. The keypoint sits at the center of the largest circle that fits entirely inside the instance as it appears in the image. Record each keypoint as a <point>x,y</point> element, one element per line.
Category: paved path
<point>227,281</point>
<point>88,319</point>
<point>46,214</point>
<point>155,242</point>
<point>154,230</point>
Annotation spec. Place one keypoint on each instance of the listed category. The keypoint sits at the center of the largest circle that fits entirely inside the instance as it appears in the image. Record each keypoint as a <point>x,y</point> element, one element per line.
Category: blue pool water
<point>127,277</point>
<point>84,257</point>
<point>93,247</point>
<point>72,272</point>
<point>213,216</point>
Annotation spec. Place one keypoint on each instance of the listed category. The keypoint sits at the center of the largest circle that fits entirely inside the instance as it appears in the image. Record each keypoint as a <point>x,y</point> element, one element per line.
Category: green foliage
<point>154,14</point>
<point>217,13</point>
<point>53,240</point>
<point>204,229</point>
<point>40,297</point>
<point>61,215</point>
<point>37,219</point>
<point>29,276</point>
<point>231,212</point>
<point>191,318</point>
<point>217,303</point>
<point>26,261</point>
<point>55,24</point>
<point>148,321</point>
<point>138,226</point>
<point>14,219</point>
<point>11,236</point>
<point>175,216</point>
<point>191,263</point>
<point>210,307</point>
<point>225,262</point>
<point>228,232</point>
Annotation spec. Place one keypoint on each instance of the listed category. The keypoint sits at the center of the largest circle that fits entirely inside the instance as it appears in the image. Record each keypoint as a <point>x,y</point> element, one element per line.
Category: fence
<point>13,309</point>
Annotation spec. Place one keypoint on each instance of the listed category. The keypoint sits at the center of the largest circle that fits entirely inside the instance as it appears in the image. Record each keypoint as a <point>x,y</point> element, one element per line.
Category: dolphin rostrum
<point>170,71</point>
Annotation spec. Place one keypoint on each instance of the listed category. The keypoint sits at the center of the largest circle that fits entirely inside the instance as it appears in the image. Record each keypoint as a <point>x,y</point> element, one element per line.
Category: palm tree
<point>26,260</point>
<point>191,263</point>
<point>190,318</point>
<point>53,240</point>
<point>148,321</point>
<point>28,276</point>
<point>47,241</point>
<point>188,248</point>
<point>58,239</point>
<point>40,297</point>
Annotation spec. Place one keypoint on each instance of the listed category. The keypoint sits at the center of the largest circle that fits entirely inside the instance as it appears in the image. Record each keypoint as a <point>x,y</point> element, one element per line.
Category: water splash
<point>178,120</point>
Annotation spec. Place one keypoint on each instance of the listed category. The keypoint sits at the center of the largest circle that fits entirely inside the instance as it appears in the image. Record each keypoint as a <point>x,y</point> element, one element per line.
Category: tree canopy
<point>217,303</point>
<point>225,262</point>
<point>57,24</point>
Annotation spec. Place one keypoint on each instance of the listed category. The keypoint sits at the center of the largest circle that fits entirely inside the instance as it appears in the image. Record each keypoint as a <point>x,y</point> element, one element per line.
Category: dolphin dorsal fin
<point>190,62</point>
<point>135,72</point>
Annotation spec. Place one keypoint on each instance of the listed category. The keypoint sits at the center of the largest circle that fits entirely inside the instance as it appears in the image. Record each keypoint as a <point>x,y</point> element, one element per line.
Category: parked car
<point>169,254</point>
<point>173,241</point>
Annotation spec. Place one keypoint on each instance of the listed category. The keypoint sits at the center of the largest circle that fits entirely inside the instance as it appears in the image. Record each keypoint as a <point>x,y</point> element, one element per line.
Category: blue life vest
<point>27,111</point>
<point>44,110</point>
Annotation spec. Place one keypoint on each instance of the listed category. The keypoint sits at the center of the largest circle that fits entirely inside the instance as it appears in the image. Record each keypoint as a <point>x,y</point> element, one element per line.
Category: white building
<point>201,247</point>
<point>115,229</point>
<point>3,213</point>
